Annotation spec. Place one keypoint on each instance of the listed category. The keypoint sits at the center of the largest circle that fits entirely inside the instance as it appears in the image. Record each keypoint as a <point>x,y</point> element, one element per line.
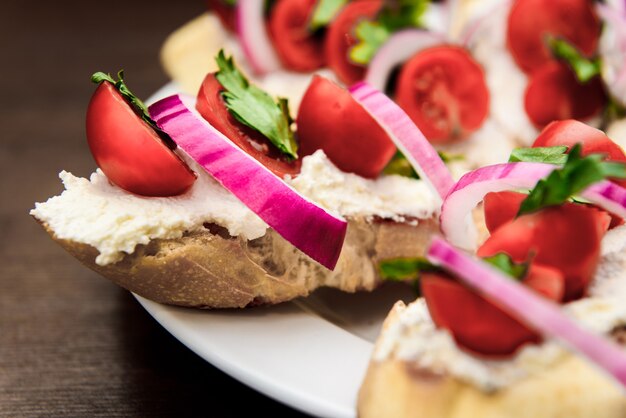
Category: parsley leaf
<point>550,155</point>
<point>324,12</point>
<point>400,166</point>
<point>395,15</point>
<point>503,262</point>
<point>401,269</point>
<point>584,68</point>
<point>255,108</point>
<point>577,174</point>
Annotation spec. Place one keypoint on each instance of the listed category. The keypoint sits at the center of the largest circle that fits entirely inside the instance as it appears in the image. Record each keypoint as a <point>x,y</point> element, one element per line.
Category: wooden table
<point>71,343</point>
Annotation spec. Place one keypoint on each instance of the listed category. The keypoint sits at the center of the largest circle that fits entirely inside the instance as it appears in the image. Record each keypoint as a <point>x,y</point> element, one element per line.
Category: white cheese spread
<point>95,212</point>
<point>414,337</point>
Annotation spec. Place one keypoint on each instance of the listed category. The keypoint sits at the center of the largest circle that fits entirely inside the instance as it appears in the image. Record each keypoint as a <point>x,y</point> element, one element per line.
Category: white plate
<point>310,354</point>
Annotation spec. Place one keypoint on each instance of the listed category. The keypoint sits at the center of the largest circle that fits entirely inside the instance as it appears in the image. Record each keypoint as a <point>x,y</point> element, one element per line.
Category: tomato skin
<point>330,119</point>
<point>444,105</point>
<point>212,108</point>
<point>129,152</point>
<point>570,132</point>
<point>554,93</point>
<point>530,21</point>
<point>565,237</point>
<point>477,324</point>
<point>501,207</point>
<point>225,13</point>
<point>340,38</point>
<point>297,48</point>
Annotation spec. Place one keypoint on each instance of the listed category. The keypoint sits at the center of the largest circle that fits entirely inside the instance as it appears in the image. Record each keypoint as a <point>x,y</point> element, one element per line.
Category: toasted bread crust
<point>570,389</point>
<point>209,269</point>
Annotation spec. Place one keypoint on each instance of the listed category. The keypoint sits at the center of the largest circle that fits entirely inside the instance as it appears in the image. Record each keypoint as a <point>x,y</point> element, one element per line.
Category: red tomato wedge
<point>129,152</point>
<point>340,38</point>
<point>224,12</point>
<point>566,237</point>
<point>297,48</point>
<point>443,90</point>
<point>212,107</point>
<point>330,119</point>
<point>554,93</point>
<point>501,207</point>
<point>477,324</point>
<point>531,21</point>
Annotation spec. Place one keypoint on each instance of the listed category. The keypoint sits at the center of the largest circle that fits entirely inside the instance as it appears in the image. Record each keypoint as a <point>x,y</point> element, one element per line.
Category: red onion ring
<point>253,36</point>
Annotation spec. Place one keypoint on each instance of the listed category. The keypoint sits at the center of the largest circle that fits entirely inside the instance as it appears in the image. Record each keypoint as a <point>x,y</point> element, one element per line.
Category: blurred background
<point>71,343</point>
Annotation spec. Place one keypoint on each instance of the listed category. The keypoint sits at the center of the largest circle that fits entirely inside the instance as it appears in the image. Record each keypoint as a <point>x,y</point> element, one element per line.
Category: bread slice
<point>211,269</point>
<point>570,389</point>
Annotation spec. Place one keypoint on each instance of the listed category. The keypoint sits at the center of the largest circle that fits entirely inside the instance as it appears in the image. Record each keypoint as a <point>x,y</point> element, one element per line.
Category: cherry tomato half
<point>297,48</point>
<point>554,93</point>
<point>225,12</point>
<point>129,151</point>
<point>531,21</point>
<point>565,237</point>
<point>340,38</point>
<point>443,90</point>
<point>212,107</point>
<point>477,324</point>
<point>331,120</point>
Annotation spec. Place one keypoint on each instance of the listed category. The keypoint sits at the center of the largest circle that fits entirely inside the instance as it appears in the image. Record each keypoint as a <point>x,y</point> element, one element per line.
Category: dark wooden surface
<point>71,343</point>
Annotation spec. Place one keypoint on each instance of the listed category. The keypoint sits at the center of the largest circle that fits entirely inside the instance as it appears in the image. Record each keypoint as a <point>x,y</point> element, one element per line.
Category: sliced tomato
<point>129,152</point>
<point>211,106</point>
<point>225,12</point>
<point>501,207</point>
<point>592,140</point>
<point>566,237</point>
<point>330,119</point>
<point>477,324</point>
<point>532,21</point>
<point>443,90</point>
<point>297,48</point>
<point>554,93</point>
<point>340,38</point>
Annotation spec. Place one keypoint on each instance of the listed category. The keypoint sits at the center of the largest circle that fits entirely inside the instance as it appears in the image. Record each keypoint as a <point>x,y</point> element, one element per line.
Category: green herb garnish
<point>324,12</point>
<point>584,68</point>
<point>576,175</point>
<point>255,108</point>
<point>399,165</point>
<point>401,269</point>
<point>550,155</point>
<point>504,263</point>
<point>395,15</point>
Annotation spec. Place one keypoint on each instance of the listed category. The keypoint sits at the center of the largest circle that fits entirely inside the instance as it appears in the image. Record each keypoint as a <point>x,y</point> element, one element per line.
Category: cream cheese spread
<point>414,337</point>
<point>95,212</point>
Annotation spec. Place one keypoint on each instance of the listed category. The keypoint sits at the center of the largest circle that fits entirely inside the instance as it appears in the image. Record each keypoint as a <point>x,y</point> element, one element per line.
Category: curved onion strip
<point>307,226</point>
<point>400,47</point>
<point>472,187</point>
<point>525,305</point>
<point>475,25</point>
<point>407,137</point>
<point>255,41</point>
